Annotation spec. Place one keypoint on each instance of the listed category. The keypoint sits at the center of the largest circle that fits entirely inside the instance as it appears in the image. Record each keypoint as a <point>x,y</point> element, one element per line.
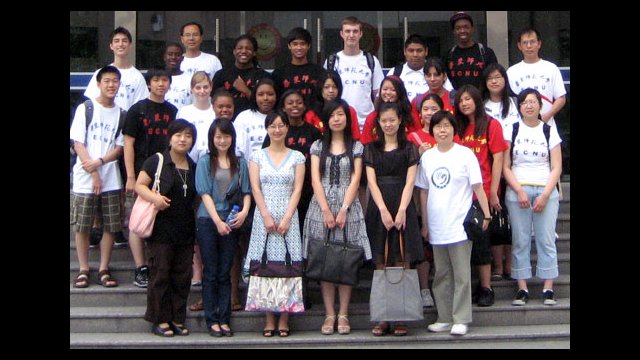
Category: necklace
<point>184,180</point>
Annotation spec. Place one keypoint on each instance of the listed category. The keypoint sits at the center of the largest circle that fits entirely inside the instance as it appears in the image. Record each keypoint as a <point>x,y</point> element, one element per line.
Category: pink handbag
<point>143,212</point>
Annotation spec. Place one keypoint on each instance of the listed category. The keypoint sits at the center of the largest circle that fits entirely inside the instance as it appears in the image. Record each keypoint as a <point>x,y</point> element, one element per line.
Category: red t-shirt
<point>415,105</point>
<point>426,137</point>
<point>481,149</point>
<point>312,118</point>
<point>369,129</point>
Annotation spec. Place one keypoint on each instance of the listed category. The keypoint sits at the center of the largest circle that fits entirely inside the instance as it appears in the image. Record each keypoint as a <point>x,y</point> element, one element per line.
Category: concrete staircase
<point>113,317</point>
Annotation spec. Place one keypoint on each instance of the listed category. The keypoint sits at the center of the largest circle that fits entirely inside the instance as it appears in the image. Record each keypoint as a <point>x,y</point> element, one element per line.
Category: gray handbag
<point>395,292</point>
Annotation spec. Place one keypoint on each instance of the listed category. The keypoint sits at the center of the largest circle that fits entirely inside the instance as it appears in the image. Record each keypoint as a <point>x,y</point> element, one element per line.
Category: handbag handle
<point>287,257</point>
<point>332,231</point>
<point>156,181</point>
<point>386,247</point>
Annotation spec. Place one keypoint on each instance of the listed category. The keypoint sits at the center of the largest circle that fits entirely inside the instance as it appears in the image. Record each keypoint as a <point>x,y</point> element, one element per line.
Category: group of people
<point>308,150</point>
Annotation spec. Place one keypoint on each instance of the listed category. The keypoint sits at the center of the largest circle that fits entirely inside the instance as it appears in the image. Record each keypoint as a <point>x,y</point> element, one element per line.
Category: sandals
<point>283,332</point>
<point>82,280</point>
<point>381,329</point>
<point>237,307</point>
<point>179,330</point>
<point>400,330</point>
<point>327,326</point>
<point>197,306</point>
<point>268,332</point>
<point>106,279</point>
<point>160,331</point>
<point>343,329</point>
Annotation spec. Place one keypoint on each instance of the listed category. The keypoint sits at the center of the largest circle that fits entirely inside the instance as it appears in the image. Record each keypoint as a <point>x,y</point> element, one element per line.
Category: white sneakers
<point>459,329</point>
<point>427,300</point>
<point>456,329</point>
<point>439,327</point>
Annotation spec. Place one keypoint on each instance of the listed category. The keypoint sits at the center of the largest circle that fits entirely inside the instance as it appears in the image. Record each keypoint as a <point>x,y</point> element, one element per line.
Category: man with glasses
<point>536,73</point>
<point>191,35</point>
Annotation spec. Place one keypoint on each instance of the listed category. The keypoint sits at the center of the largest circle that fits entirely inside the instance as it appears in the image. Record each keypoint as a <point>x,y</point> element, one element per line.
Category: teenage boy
<point>179,93</point>
<point>96,175</point>
<point>191,35</point>
<point>466,60</point>
<point>145,133</point>
<point>361,72</point>
<point>299,74</point>
<point>536,73</point>
<point>411,72</point>
<point>132,89</point>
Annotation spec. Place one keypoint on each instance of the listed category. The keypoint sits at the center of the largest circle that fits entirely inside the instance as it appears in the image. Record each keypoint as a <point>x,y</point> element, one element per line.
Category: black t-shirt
<point>176,224</point>
<point>148,122</point>
<point>226,76</point>
<point>465,66</point>
<point>299,77</point>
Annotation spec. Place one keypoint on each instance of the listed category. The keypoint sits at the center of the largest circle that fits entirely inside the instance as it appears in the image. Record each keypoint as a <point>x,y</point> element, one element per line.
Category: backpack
<point>88,115</point>
<point>479,46</point>
<point>331,64</point>
<point>397,70</point>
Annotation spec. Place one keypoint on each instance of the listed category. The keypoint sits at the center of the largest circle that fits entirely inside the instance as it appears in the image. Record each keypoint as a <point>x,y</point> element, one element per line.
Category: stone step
<point>130,319</point>
<point>548,336</point>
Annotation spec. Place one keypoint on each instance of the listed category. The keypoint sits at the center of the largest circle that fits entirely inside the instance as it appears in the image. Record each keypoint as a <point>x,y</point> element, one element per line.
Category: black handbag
<point>473,222</point>
<point>334,261</point>
<point>269,268</point>
<point>500,226</point>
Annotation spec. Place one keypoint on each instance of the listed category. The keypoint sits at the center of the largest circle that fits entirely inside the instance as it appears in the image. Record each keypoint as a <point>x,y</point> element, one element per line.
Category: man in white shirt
<point>359,82</point>
<point>191,35</point>
<point>536,73</point>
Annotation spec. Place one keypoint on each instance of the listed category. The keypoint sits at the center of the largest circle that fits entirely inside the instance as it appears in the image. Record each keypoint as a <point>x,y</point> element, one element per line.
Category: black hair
<point>481,121</point>
<point>523,95</point>
<point>299,33</point>
<point>226,127</point>
<point>120,30</point>
<point>254,42</point>
<point>401,135</point>
<point>327,135</point>
<point>288,93</point>
<point>192,23</point>
<point>262,81</point>
<point>156,72</point>
<point>108,69</point>
<point>442,115</point>
<point>416,39</point>
<point>179,125</point>
<point>403,102</point>
<point>329,74</point>
<point>527,31</point>
<point>506,92</point>
<point>273,115</point>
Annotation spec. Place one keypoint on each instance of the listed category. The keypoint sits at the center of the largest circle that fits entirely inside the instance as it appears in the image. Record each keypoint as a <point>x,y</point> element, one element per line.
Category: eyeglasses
<point>445,126</point>
<point>278,127</point>
<point>529,102</point>
<point>496,78</point>
<point>529,42</point>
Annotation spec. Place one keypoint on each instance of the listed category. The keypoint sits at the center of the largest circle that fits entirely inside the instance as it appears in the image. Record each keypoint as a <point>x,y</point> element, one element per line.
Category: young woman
<point>435,73</point>
<point>391,163</point>
<point>329,87</point>
<point>449,173</point>
<point>391,90</point>
<point>276,173</point>
<point>483,135</point>
<point>249,124</point>
<point>532,170</point>
<point>336,167</point>
<point>219,172</point>
<point>500,103</point>
<point>171,242</point>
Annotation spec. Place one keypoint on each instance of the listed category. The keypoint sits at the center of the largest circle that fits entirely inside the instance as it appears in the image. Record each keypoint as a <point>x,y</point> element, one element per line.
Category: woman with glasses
<point>532,169</point>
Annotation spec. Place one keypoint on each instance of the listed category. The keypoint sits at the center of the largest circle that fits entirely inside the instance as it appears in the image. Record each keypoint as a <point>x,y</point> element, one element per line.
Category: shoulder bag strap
<point>156,182</point>
<point>417,138</point>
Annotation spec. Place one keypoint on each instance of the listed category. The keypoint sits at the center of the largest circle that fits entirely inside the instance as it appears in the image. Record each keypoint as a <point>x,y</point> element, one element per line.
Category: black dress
<point>391,174</point>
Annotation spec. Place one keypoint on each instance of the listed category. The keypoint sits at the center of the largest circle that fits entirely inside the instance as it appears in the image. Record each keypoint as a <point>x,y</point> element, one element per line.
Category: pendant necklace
<point>184,180</point>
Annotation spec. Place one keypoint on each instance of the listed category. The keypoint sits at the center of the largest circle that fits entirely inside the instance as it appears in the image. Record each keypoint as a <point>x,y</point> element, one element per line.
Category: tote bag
<point>143,212</point>
<point>395,292</point>
<point>334,261</point>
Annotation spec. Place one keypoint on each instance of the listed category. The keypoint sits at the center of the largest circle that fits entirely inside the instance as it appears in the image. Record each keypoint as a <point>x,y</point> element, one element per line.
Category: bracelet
<point>488,219</point>
<point>102,161</point>
<point>344,206</point>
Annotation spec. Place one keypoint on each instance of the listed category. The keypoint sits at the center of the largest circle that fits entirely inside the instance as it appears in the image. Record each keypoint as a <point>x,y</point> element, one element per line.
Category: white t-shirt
<point>415,82</point>
<point>133,88</point>
<point>449,177</point>
<point>494,109</point>
<point>205,62</point>
<point>179,93</point>
<point>250,132</point>
<point>356,82</point>
<point>100,139</point>
<point>202,119</point>
<point>543,76</point>
<point>530,162</point>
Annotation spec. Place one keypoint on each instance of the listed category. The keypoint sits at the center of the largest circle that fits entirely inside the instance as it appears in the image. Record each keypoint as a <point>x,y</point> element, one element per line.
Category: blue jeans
<point>217,257</point>
<point>544,225</point>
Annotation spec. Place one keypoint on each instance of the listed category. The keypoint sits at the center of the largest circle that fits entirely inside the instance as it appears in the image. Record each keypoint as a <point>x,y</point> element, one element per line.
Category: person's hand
<point>329,221</point>
<point>161,202</point>
<point>424,147</point>
<point>241,86</point>
<point>523,199</point>
<point>386,218</point>
<point>540,203</point>
<point>269,224</point>
<point>239,219</point>
<point>130,186</point>
<point>223,228</point>
<point>91,165</point>
<point>283,227</point>
<point>494,202</point>
<point>341,219</point>
<point>424,232</point>
<point>401,219</point>
<point>96,183</point>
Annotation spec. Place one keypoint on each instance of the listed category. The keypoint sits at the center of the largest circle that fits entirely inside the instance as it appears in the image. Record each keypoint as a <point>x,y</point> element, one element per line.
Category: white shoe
<point>459,329</point>
<point>427,300</point>
<point>439,327</point>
